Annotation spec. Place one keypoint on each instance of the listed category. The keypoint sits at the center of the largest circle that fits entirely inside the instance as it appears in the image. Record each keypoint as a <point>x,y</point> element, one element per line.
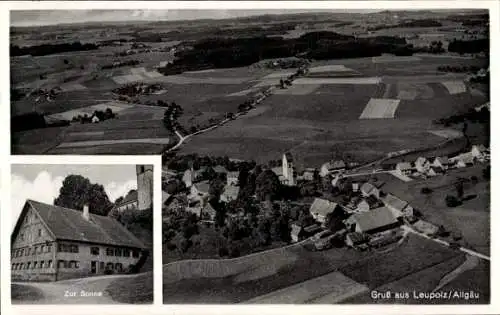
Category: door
<point>93,267</point>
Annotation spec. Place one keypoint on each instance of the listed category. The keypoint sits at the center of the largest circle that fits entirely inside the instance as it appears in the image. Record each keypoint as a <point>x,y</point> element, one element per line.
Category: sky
<point>42,182</point>
<point>52,17</point>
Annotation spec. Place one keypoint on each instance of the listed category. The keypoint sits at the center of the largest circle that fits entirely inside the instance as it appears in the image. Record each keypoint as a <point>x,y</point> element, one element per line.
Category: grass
<point>422,281</point>
<point>25,293</point>
<point>133,290</point>
<point>477,280</point>
<point>416,255</point>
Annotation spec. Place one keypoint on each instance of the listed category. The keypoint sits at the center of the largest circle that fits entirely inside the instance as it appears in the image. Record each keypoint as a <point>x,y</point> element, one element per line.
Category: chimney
<point>86,214</point>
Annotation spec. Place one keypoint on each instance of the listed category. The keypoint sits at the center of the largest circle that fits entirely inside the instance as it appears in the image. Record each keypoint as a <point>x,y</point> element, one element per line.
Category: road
<point>69,291</point>
<point>463,249</point>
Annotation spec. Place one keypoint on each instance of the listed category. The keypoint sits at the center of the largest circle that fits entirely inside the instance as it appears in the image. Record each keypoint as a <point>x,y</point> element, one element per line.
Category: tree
<point>459,186</point>
<point>452,201</point>
<point>487,172</point>
<point>77,191</point>
<point>267,185</point>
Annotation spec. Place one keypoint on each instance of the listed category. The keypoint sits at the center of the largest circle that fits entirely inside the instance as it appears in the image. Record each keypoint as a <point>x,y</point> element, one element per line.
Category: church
<point>51,243</point>
<point>141,199</point>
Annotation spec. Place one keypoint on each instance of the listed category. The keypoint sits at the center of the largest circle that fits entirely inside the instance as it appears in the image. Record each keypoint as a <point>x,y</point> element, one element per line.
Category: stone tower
<point>144,186</point>
<point>288,169</point>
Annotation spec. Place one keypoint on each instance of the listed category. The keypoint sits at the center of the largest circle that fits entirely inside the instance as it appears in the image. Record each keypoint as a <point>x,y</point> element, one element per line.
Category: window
<point>61,264</point>
<point>74,248</point>
<point>42,249</point>
<point>49,248</point>
<point>21,252</point>
<point>118,252</point>
<point>118,267</point>
<point>142,169</point>
<point>109,252</point>
<point>22,236</point>
<point>39,232</point>
<point>13,266</point>
<point>126,252</point>
<point>35,250</point>
<point>109,266</point>
<point>28,265</point>
<point>135,253</point>
<point>28,250</point>
<point>35,265</point>
<point>21,266</point>
<point>101,265</point>
<point>49,264</point>
<point>74,264</point>
<point>42,264</point>
<point>94,251</point>
<point>61,248</point>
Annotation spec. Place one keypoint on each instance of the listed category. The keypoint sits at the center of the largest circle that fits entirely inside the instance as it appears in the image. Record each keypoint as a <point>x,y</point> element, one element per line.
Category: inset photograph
<point>82,234</point>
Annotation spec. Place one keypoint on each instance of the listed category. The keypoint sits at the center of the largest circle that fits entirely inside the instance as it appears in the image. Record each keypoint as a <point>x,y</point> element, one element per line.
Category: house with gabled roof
<point>376,220</point>
<point>367,204</point>
<point>398,206</point>
<point>404,168</point>
<point>51,243</point>
<point>370,189</point>
<point>230,193</point>
<point>442,162</point>
<point>320,208</point>
<point>422,164</point>
<point>232,178</point>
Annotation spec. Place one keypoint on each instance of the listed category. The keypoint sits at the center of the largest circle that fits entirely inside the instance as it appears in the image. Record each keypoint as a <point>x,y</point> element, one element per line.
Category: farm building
<point>478,151</point>
<point>207,212</point>
<point>398,207</point>
<point>332,167</point>
<point>230,193</point>
<point>373,221</point>
<point>404,168</point>
<point>320,208</point>
<point>367,204</point>
<point>422,165</point>
<point>199,191</point>
<point>308,174</point>
<point>434,171</point>
<point>220,169</point>
<point>369,189</point>
<point>300,233</point>
<point>129,202</point>
<point>51,243</point>
<point>232,178</point>
<point>354,239</point>
<point>95,119</point>
<point>441,162</point>
<point>463,160</point>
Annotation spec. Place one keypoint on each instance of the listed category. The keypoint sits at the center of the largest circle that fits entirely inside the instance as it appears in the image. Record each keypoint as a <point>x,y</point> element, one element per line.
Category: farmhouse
<point>376,220</point>
<point>320,208</point>
<point>404,168</point>
<point>51,243</point>
<point>369,189</point>
<point>441,162</point>
<point>230,193</point>
<point>208,212</point>
<point>367,204</point>
<point>434,171</point>
<point>398,207</point>
<point>463,160</point>
<point>308,174</point>
<point>332,167</point>
<point>354,239</point>
<point>129,202</point>
<point>422,165</point>
<point>232,178</point>
<point>478,151</point>
<point>199,191</point>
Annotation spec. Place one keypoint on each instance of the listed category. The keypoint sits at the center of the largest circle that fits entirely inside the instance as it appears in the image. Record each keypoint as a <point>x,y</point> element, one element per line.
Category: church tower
<point>144,186</point>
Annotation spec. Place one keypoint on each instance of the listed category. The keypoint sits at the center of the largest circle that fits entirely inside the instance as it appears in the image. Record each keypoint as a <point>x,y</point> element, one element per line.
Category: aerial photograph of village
<point>82,234</point>
<point>309,156</point>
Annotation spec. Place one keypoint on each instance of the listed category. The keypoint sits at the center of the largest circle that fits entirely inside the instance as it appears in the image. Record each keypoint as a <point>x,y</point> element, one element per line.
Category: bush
<point>108,272</point>
<point>223,252</point>
<point>171,246</point>
<point>452,201</point>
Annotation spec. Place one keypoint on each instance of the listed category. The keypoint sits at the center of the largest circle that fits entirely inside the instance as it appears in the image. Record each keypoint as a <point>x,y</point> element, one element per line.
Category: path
<point>470,263</point>
<point>69,291</point>
<point>442,242</point>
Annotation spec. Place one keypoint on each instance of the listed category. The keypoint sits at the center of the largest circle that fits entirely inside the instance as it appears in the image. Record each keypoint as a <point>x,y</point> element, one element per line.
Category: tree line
<point>50,49</point>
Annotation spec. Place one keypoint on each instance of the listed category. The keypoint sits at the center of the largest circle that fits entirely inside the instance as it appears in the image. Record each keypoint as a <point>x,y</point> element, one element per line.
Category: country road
<point>463,249</point>
<point>70,291</point>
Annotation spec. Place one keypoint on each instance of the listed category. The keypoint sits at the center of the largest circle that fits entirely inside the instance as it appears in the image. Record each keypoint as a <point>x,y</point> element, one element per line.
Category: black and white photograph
<point>327,156</point>
<point>82,234</point>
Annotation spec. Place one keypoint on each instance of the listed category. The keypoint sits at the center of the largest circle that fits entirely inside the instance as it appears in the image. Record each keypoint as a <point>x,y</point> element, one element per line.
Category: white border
<point>157,308</point>
<point>85,160</point>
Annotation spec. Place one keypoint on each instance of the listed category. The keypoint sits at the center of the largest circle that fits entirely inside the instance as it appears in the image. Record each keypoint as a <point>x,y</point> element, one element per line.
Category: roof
<point>337,164</point>
<point>209,210</point>
<point>442,159</point>
<point>69,224</point>
<point>131,197</point>
<point>480,147</point>
<point>277,170</point>
<point>357,238</point>
<point>394,202</point>
<point>366,188</point>
<point>464,157</point>
<point>372,200</point>
<point>374,219</point>
<point>202,187</point>
<point>404,165</point>
<point>233,174</point>
<point>296,229</point>
<point>312,228</point>
<point>322,206</point>
<point>164,196</point>
<point>436,169</point>
<point>231,191</point>
<point>421,160</point>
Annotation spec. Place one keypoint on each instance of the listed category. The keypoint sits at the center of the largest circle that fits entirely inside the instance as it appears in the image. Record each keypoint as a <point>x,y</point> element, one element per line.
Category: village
<point>342,205</point>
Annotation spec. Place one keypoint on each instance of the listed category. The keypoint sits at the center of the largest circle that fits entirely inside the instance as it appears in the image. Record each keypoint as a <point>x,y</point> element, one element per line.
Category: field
<point>132,290</point>
<point>294,269</point>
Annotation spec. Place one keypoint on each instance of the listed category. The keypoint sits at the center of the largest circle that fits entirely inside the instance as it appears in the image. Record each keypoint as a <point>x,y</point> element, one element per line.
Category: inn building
<point>51,243</point>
